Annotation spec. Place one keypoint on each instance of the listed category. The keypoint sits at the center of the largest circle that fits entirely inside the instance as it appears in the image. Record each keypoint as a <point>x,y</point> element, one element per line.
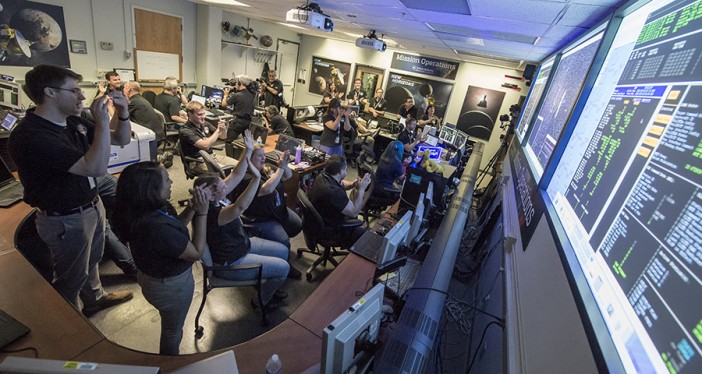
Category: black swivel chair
<point>318,233</point>
<point>376,198</point>
<point>213,166</point>
<point>190,173</point>
<point>347,140</point>
<point>150,96</point>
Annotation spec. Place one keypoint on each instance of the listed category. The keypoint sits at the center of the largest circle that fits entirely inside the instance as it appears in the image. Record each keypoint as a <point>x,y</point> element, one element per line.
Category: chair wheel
<point>309,277</point>
<point>199,332</point>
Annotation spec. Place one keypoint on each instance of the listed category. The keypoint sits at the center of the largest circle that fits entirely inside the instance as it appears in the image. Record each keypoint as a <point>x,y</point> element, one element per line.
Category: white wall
<point>469,74</point>
<point>111,21</point>
<point>240,59</point>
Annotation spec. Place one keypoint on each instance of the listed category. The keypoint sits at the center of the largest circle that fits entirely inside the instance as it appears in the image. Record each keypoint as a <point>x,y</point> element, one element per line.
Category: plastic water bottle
<point>298,154</point>
<point>258,140</point>
<point>274,365</point>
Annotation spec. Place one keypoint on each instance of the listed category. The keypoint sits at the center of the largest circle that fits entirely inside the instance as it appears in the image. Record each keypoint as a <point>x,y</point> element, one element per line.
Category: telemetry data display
<point>537,89</point>
<point>628,189</point>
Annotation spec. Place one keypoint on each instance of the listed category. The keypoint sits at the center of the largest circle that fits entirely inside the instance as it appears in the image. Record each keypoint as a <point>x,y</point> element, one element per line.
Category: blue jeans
<point>331,151</point>
<point>172,297</point>
<point>76,242</point>
<point>280,232</point>
<point>273,256</point>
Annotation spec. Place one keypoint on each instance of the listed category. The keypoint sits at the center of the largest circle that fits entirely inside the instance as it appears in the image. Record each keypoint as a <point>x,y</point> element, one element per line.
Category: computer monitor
<point>258,130</point>
<point>417,219</point>
<point>10,95</point>
<point>447,134</point>
<point>461,139</point>
<point>396,237</point>
<point>434,152</point>
<point>346,340</point>
<point>200,99</point>
<point>287,143</point>
<point>8,121</point>
<point>213,96</point>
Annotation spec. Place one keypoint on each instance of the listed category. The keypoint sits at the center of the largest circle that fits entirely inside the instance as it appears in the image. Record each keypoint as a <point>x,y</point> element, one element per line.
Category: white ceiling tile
<point>583,15</point>
<point>518,10</point>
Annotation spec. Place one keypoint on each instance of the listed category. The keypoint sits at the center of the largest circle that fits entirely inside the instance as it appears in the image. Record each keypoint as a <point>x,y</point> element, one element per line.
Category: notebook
<point>10,329</point>
<point>11,190</point>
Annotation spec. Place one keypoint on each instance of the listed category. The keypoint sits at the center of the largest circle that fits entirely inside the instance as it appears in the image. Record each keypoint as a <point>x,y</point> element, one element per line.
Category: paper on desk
<point>387,276</point>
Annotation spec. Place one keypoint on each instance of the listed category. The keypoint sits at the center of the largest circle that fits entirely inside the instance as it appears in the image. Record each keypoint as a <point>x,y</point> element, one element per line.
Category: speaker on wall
<point>529,71</point>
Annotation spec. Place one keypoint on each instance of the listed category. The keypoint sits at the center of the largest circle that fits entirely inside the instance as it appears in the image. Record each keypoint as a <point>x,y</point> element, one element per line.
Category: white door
<point>287,67</point>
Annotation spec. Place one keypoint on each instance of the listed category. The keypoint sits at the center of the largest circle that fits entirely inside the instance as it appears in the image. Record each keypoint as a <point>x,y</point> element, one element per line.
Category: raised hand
<point>253,170</point>
<point>248,140</point>
<point>120,102</point>
<point>98,108</point>
<point>200,200</point>
<point>283,159</point>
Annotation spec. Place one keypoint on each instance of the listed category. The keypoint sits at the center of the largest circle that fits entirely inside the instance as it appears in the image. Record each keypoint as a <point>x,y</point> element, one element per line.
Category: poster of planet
<point>480,111</point>
<point>400,87</point>
<point>32,33</point>
<point>326,71</point>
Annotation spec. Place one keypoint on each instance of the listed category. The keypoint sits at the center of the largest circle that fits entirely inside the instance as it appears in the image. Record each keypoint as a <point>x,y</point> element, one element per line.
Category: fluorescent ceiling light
<point>353,35</point>
<point>227,2</point>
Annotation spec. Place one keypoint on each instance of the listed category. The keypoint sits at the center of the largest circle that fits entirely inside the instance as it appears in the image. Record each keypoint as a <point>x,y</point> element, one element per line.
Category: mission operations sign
<point>425,65</point>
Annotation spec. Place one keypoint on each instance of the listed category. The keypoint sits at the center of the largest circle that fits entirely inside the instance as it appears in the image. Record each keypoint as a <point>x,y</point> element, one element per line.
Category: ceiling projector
<point>371,43</point>
<point>310,19</point>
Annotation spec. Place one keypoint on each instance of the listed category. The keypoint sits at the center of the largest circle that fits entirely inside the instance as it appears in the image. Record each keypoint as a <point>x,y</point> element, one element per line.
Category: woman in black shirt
<point>160,243</point>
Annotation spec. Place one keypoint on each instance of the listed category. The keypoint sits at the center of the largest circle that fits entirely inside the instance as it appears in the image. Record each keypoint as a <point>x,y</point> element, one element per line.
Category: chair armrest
<point>217,147</point>
<point>351,223</point>
<point>193,159</point>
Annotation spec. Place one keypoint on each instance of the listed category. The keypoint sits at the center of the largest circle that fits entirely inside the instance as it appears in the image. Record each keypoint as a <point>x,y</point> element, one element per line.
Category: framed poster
<point>400,87</point>
<point>34,33</point>
<point>371,79</point>
<point>325,71</point>
<point>480,111</point>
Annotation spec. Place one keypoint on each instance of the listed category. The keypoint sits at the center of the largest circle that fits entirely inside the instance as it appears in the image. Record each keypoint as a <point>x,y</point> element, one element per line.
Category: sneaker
<point>109,300</point>
<point>294,273</point>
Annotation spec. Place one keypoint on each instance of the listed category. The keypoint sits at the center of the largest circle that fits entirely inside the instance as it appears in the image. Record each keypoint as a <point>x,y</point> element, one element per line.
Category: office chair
<point>347,140</point>
<point>210,281</point>
<point>32,247</point>
<point>150,96</point>
<point>376,198</point>
<point>318,233</point>
<point>190,173</point>
<point>366,156</point>
<point>213,166</point>
<point>170,131</point>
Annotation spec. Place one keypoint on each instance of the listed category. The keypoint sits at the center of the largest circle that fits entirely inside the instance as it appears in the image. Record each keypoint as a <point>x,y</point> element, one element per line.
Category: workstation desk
<point>58,331</point>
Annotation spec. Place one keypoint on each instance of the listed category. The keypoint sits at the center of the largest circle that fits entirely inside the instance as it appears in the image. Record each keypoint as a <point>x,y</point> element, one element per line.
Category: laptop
<point>11,191</point>
<point>284,143</point>
<point>9,120</point>
<point>10,329</point>
<point>258,131</point>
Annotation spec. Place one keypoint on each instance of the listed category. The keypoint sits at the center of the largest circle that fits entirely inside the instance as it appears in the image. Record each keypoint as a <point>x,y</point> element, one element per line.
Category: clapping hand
<point>98,108</point>
<point>120,102</point>
<point>364,182</point>
<point>248,140</point>
<point>254,171</point>
<point>283,159</point>
<point>101,88</point>
<point>200,200</point>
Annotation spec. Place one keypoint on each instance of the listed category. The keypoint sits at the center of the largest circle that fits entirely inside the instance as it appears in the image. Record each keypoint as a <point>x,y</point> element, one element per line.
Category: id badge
<point>336,141</point>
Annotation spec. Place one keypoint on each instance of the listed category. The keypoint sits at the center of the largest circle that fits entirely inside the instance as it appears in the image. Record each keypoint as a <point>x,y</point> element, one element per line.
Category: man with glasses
<point>407,110</point>
<point>59,155</point>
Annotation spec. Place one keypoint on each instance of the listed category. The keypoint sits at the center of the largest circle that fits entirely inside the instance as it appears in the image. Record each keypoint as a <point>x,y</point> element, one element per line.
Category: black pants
<point>235,129</point>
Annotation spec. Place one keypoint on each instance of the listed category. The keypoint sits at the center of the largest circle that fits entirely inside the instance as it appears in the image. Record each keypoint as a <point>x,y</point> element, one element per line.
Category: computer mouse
<point>386,309</point>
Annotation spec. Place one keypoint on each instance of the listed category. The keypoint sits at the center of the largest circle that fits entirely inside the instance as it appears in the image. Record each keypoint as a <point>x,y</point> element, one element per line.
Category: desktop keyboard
<point>369,246</point>
<point>404,278</point>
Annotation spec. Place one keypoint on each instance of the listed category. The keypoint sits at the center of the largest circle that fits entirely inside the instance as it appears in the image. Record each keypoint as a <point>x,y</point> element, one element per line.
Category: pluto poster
<point>480,111</point>
<point>31,34</point>
<point>401,87</point>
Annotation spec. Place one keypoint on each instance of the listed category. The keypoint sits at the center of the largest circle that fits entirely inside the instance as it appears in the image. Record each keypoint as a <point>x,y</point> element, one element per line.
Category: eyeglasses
<point>76,91</point>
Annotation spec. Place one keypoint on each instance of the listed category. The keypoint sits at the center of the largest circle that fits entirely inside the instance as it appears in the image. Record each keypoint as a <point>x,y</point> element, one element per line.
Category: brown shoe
<point>108,300</point>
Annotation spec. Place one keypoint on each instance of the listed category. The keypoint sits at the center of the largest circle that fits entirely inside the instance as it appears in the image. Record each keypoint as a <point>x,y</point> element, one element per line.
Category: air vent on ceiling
<point>483,59</point>
<point>444,6</point>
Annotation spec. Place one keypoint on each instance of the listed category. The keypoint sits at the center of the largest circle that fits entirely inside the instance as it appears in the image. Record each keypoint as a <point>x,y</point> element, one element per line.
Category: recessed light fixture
<point>227,2</point>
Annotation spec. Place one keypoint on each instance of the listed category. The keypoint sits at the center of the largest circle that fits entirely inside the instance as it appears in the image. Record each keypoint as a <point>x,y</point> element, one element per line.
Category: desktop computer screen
<point>447,134</point>
<point>417,220</point>
<point>10,95</point>
<point>626,194</point>
<point>434,152</point>
<point>213,96</point>
<point>396,237</point>
<point>346,339</point>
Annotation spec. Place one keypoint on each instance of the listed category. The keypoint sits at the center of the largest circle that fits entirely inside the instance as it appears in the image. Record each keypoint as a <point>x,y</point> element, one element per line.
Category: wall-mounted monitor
<point>10,95</point>
<point>537,90</point>
<point>558,101</point>
<point>626,194</point>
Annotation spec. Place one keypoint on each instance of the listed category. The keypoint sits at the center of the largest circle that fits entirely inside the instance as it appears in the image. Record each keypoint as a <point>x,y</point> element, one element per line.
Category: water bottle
<point>319,117</point>
<point>273,366</point>
<point>298,154</point>
<point>258,140</point>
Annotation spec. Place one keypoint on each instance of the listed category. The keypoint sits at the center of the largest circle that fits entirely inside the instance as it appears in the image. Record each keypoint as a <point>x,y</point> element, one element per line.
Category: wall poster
<point>31,34</point>
<point>480,111</point>
<point>325,71</point>
<point>400,87</point>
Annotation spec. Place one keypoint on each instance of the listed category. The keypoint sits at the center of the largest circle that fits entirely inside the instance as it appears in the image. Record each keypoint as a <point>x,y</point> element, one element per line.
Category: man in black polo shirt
<point>410,136</point>
<point>407,109</point>
<point>328,196</point>
<point>58,156</point>
<point>276,123</point>
<point>168,102</point>
<point>356,96</point>
<point>272,90</point>
<point>198,135</point>
<point>141,111</point>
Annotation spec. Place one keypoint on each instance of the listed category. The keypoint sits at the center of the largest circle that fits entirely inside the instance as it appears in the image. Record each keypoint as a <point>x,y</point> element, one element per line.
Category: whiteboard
<point>157,65</point>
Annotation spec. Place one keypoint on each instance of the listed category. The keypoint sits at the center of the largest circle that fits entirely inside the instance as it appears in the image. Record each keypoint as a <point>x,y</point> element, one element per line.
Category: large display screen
<point>628,190</point>
<point>537,89</point>
<point>559,100</point>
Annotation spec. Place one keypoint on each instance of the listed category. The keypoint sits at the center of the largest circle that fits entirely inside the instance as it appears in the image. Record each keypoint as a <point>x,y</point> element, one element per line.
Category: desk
<point>305,132</point>
<point>61,332</point>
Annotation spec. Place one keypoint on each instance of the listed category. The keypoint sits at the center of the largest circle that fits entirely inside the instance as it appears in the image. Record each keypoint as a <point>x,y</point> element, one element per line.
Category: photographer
<point>242,103</point>
<point>272,91</point>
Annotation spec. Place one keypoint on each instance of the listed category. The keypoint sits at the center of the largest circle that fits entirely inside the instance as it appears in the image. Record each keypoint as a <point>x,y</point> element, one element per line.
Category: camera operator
<point>242,101</point>
<point>272,90</point>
